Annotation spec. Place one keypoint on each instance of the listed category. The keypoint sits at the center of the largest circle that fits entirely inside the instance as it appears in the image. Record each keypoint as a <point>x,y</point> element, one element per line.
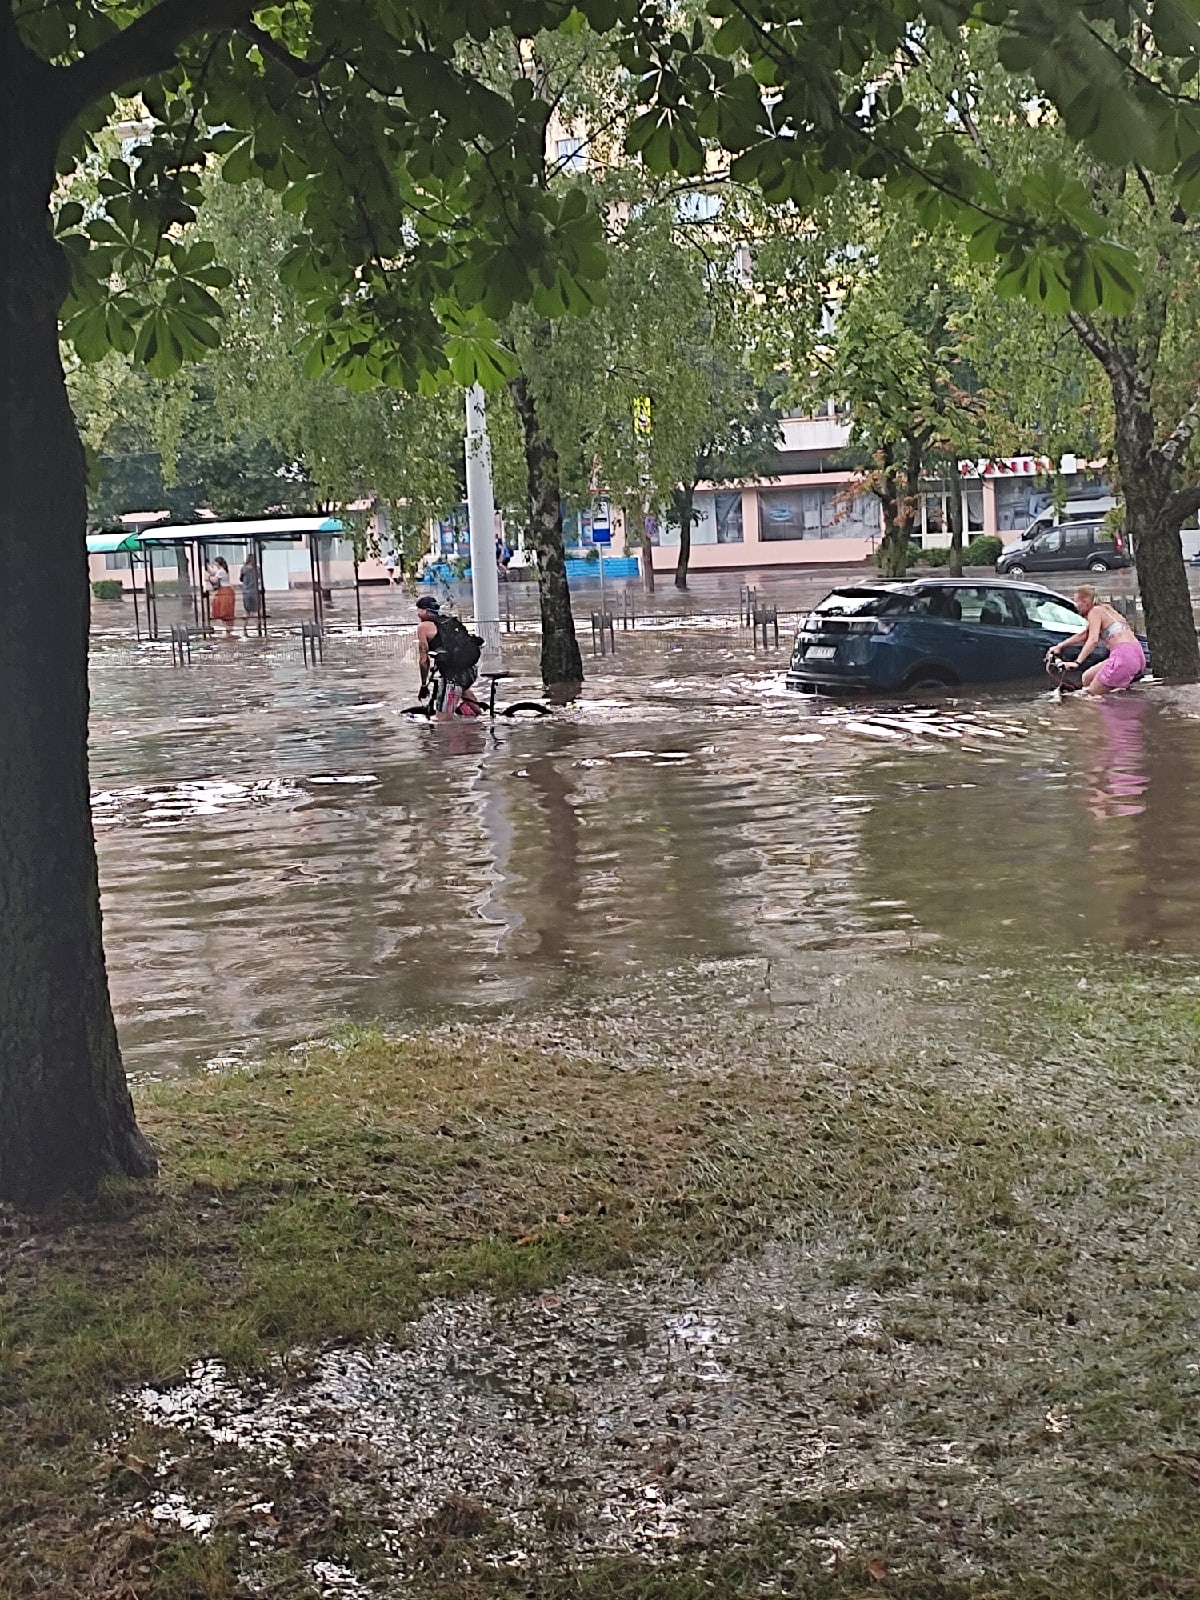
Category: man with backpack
<point>444,641</point>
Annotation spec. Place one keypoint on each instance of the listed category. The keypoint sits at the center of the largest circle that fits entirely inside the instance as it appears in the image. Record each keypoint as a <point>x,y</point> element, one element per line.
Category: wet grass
<point>1024,1199</point>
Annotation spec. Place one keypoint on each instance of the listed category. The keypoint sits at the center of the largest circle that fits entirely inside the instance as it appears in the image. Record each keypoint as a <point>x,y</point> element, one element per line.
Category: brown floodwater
<point>282,850</point>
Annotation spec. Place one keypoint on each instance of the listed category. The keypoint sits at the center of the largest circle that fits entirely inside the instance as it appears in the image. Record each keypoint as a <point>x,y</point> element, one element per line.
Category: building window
<point>568,153</point>
<point>821,512</point>
<point>699,206</point>
<point>117,561</point>
<point>728,511</point>
<point>1020,501</point>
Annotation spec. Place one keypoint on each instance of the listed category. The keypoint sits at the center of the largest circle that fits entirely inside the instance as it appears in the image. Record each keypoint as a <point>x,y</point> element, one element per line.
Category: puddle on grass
<point>281,850</point>
<point>633,1414</point>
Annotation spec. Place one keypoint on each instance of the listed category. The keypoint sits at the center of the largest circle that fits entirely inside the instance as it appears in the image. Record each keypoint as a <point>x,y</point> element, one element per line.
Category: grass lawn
<point>1008,1179</point>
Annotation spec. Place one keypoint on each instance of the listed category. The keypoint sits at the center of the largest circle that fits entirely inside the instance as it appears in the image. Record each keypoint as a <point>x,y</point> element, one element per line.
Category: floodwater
<point>281,849</point>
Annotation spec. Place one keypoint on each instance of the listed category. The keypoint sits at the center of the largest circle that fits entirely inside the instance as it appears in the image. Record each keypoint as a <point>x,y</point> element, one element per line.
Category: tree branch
<point>146,47</point>
<point>1181,505</point>
<point>1089,337</point>
<point>296,65</point>
<point>1175,446</point>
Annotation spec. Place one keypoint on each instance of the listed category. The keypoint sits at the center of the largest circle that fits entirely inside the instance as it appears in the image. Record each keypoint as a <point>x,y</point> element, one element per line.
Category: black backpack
<point>458,649</point>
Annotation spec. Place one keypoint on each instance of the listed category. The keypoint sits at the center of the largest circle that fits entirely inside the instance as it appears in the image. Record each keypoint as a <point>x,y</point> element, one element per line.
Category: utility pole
<point>481,513</point>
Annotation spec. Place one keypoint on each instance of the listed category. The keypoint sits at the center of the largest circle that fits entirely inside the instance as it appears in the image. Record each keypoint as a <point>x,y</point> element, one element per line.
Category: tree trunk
<point>954,513</point>
<point>687,503</point>
<point>647,547</point>
<point>562,664</point>
<point>892,555</point>
<point>1147,485</point>
<point>66,1118</point>
<point>1148,474</point>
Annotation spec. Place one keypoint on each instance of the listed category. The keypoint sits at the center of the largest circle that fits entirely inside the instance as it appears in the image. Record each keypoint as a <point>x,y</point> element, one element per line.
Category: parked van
<point>1067,547</point>
<point>1073,511</point>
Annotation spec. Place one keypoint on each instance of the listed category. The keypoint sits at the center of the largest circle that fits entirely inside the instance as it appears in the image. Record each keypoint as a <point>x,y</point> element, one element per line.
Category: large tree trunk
<point>66,1119</point>
<point>687,506</point>
<point>562,664</point>
<point>1149,471</point>
<point>1147,484</point>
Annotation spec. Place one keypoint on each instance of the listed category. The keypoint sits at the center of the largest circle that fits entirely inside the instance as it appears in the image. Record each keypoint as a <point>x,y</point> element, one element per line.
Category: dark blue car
<point>932,633</point>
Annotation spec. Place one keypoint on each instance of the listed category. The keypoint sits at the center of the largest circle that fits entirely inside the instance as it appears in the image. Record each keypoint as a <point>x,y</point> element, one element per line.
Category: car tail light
<point>1119,541</point>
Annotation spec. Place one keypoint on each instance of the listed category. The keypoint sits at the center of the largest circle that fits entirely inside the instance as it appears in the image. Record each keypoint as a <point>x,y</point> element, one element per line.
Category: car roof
<point>915,585</point>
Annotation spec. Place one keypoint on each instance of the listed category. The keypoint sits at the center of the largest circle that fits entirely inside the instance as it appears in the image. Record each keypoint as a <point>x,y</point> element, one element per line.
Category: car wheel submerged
<point>930,678</point>
<point>1097,566</point>
<point>1016,571</point>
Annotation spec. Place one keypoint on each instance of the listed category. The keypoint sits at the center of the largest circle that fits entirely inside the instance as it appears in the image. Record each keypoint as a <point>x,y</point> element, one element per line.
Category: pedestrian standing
<point>389,566</point>
<point>222,604</point>
<point>251,583</point>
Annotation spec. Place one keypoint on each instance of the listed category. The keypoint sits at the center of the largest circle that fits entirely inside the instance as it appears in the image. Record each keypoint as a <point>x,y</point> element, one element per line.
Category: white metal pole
<point>481,512</point>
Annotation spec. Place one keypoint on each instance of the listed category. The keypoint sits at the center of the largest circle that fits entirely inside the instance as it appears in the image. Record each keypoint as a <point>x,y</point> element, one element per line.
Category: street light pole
<point>481,513</point>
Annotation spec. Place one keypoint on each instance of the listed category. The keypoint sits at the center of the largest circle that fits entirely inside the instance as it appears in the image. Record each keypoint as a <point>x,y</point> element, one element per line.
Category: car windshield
<point>859,603</point>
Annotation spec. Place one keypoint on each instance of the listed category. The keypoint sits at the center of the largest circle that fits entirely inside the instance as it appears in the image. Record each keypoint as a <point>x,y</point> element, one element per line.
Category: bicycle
<point>445,699</point>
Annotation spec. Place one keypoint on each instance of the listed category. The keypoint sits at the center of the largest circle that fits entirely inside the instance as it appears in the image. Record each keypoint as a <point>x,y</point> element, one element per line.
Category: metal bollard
<point>312,643</point>
<point>766,618</point>
<point>603,624</point>
<point>181,646</point>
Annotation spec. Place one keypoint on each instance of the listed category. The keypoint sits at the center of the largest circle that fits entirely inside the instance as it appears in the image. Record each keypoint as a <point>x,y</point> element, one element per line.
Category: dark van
<point>1069,547</point>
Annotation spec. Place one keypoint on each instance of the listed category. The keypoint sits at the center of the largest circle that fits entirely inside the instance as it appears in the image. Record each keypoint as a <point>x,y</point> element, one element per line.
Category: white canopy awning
<point>262,528</point>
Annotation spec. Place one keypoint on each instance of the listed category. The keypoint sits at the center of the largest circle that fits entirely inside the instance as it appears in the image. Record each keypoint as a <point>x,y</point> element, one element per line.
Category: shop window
<point>821,512</point>
<point>728,511</point>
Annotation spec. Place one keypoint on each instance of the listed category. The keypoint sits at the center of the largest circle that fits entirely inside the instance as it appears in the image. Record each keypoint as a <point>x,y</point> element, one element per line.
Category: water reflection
<point>281,850</point>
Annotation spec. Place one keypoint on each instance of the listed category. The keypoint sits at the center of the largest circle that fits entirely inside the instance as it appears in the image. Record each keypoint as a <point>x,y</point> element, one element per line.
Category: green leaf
<point>238,166</point>
<point>69,216</point>
<point>87,331</point>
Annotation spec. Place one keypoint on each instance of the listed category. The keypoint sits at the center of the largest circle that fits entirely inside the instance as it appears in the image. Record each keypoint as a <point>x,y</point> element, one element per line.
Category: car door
<point>983,644</point>
<point>1045,552</point>
<point>993,636</point>
<point>1078,541</point>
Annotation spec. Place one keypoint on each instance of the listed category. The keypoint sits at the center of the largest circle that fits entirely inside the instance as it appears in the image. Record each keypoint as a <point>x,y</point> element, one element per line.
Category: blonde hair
<point>1086,591</point>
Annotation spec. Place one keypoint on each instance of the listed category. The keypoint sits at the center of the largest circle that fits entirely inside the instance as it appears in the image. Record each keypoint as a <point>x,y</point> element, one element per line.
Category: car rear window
<point>860,603</point>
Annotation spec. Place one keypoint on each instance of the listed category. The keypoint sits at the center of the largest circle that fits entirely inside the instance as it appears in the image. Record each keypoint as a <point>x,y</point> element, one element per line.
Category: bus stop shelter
<point>196,539</point>
<point>126,541</point>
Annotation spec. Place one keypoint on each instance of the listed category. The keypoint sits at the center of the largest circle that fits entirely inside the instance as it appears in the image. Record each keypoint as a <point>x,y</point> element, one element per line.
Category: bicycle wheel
<point>525,707</point>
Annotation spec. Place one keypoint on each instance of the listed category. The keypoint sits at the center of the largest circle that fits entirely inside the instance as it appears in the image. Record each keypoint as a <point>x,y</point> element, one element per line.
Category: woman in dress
<point>221,603</point>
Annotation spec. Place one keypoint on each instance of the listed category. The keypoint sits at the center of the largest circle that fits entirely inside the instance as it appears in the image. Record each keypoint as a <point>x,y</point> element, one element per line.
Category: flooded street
<point>282,850</point>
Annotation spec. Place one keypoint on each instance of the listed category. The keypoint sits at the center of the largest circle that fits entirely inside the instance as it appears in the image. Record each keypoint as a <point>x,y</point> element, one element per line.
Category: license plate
<point>820,652</point>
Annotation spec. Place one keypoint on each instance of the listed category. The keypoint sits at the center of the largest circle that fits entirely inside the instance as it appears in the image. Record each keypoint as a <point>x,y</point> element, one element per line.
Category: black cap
<point>427,602</point>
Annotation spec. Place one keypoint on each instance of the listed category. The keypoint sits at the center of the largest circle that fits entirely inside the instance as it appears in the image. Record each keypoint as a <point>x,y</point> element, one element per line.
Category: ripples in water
<point>282,849</point>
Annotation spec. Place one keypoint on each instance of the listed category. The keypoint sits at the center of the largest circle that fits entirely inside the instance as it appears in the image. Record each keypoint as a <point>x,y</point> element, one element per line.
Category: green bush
<point>983,551</point>
<point>934,555</point>
<point>108,588</point>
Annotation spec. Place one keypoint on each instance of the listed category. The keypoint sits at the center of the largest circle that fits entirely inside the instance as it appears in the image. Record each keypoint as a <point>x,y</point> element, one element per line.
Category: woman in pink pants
<point>1105,625</point>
